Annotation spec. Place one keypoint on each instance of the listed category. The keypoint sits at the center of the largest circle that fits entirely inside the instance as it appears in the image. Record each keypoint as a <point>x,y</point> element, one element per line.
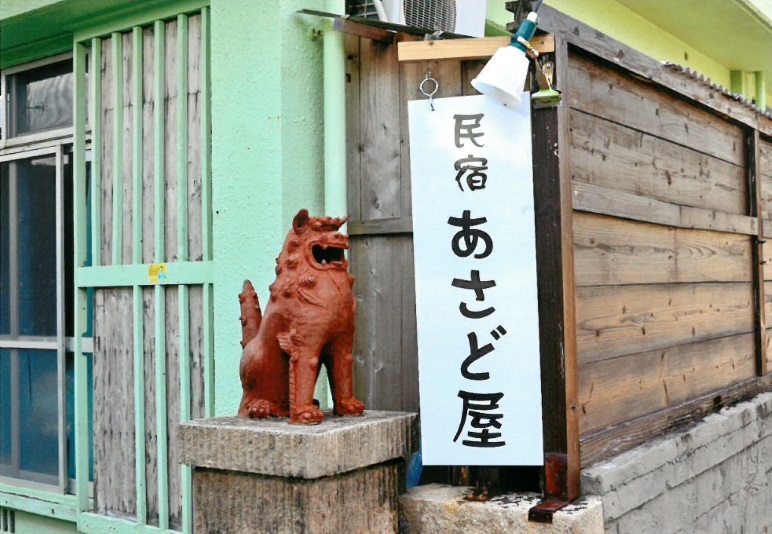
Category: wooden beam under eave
<point>463,49</point>
<point>363,30</point>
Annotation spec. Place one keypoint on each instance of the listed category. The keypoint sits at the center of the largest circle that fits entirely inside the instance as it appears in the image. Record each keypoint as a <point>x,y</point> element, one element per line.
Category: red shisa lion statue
<point>309,321</point>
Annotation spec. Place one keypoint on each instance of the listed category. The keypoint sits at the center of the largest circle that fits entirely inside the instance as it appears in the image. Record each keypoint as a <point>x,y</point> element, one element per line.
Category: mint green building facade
<point>272,141</point>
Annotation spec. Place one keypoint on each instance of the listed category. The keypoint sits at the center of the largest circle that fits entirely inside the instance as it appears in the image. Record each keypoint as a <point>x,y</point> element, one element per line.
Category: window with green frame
<point>36,276</point>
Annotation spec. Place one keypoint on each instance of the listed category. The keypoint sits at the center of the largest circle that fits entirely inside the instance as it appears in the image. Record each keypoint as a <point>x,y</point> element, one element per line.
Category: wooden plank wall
<point>378,89</point>
<point>765,179</point>
<point>115,484</point>
<point>664,255</point>
<point>671,292</point>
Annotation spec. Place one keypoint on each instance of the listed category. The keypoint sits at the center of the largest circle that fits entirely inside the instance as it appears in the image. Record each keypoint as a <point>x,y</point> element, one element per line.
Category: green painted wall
<point>762,7</point>
<point>267,142</point>
<point>31,29</point>
<point>35,524</point>
<point>266,154</point>
<point>630,28</point>
<point>11,8</point>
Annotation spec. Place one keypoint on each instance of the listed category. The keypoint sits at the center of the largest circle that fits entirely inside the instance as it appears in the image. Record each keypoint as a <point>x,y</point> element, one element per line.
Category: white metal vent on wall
<point>363,8</point>
<point>465,17</point>
<point>438,14</point>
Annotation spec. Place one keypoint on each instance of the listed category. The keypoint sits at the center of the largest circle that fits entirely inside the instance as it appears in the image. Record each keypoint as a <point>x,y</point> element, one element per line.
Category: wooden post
<point>753,173</point>
<point>554,258</point>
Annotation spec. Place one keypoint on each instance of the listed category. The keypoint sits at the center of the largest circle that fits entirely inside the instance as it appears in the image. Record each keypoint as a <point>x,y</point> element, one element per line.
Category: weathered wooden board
<point>148,146</point>
<point>617,320</point>
<point>767,255</point>
<point>448,74</point>
<point>607,93</point>
<point>668,78</point>
<point>196,355</point>
<point>114,474</point>
<point>151,434</point>
<point>128,149</point>
<point>170,139</point>
<point>195,214</point>
<point>378,349</point>
<point>665,311</point>
<point>616,390</point>
<point>606,201</point>
<point>618,157</point>
<point>469,71</point>
<point>113,334</point>
<point>768,340</point>
<point>617,439</point>
<point>196,344</point>
<point>107,177</point>
<point>350,27</point>
<point>466,49</point>
<point>379,201</point>
<point>611,251</point>
<point>409,348</point>
<point>765,148</point>
<point>380,131</point>
<point>756,208</point>
<point>558,347</point>
<point>765,152</point>
<point>173,403</point>
<point>768,296</point>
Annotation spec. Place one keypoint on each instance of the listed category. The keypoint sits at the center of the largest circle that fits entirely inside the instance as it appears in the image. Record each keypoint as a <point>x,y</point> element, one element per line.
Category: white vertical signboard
<point>475,267</point>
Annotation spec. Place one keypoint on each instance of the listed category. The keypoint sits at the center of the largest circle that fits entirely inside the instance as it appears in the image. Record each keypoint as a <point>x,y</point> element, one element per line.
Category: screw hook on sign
<point>428,89</point>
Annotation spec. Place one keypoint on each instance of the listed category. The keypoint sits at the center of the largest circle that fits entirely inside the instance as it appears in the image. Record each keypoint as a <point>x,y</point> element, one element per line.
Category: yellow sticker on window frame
<point>156,273</point>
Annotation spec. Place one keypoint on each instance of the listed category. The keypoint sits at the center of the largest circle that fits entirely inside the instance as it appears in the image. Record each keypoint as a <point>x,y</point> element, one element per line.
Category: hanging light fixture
<point>503,78</point>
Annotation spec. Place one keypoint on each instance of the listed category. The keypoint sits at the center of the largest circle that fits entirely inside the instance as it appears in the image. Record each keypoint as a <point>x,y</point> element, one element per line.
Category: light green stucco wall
<point>11,8</point>
<point>630,28</point>
<point>30,29</point>
<point>267,145</point>
<point>762,7</point>
<point>267,151</point>
<point>34,524</point>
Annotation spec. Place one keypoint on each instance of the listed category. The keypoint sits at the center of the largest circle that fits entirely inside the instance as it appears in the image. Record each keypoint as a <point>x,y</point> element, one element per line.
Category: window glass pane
<point>5,410</point>
<point>41,98</point>
<point>5,260</point>
<point>29,428</point>
<point>2,114</point>
<point>38,411</point>
<point>70,378</point>
<point>37,246</point>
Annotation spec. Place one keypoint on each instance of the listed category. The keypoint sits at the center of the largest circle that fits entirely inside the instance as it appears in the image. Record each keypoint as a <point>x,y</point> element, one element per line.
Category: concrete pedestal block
<point>344,475</point>
<point>439,509</point>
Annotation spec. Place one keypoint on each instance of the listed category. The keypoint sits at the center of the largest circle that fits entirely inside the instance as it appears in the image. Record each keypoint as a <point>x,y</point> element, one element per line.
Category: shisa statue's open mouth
<point>329,256</point>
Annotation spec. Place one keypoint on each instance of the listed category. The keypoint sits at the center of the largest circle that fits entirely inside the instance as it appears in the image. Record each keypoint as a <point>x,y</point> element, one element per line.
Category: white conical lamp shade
<point>503,78</point>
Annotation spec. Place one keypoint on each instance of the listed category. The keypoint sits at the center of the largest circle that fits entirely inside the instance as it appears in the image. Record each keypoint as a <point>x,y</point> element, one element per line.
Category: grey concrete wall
<point>711,478</point>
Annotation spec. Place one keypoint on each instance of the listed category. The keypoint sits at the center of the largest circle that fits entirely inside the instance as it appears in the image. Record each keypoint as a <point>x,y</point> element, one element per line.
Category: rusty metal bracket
<point>543,512</point>
<point>555,488</point>
<point>547,96</point>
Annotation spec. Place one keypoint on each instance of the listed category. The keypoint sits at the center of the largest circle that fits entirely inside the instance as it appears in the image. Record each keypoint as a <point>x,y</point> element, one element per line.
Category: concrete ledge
<point>713,477</point>
<point>273,447</point>
<point>441,509</point>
